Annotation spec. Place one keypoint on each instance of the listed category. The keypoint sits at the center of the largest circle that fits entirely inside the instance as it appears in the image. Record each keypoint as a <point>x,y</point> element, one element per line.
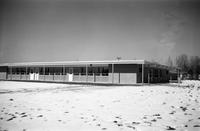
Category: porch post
<point>142,73</point>
<point>148,74</point>
<point>33,73</point>
<point>94,75</point>
<point>26,72</point>
<point>20,73</point>
<point>11,72</point>
<point>63,73</point>
<point>6,73</point>
<point>179,78</point>
<point>112,73</point>
<point>44,72</point>
<point>53,73</point>
<point>86,73</point>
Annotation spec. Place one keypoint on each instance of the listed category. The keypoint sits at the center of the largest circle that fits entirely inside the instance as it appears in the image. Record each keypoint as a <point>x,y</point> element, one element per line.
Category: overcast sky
<point>61,30</point>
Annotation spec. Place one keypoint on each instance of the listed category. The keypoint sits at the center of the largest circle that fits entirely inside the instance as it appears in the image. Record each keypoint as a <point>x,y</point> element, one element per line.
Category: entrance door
<point>70,74</point>
<point>34,73</point>
<point>31,73</point>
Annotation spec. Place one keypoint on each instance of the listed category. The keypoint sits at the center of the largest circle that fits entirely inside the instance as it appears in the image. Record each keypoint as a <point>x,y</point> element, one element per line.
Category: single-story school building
<point>114,72</point>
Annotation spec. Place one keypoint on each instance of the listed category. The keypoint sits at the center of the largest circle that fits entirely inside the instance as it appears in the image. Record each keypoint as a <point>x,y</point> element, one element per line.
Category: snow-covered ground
<point>26,106</point>
<point>191,83</point>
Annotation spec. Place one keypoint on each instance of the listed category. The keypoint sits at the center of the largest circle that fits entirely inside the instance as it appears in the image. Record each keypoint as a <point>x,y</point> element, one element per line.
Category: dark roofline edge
<point>74,63</point>
<point>57,63</point>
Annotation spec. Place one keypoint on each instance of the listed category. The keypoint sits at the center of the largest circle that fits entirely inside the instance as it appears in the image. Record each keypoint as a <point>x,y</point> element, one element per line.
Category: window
<point>140,69</point>
<point>47,70</point>
<point>83,71</point>
<point>76,70</point>
<point>160,73</point>
<point>58,70</point>
<point>23,70</point>
<point>155,72</point>
<point>90,71</point>
<point>30,70</point>
<point>105,71</point>
<point>41,71</point>
<point>13,70</point>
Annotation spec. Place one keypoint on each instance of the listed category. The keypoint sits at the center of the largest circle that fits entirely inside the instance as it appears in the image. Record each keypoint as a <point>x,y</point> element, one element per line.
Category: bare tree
<point>189,66</point>
<point>169,62</point>
<point>183,62</point>
<point>194,68</point>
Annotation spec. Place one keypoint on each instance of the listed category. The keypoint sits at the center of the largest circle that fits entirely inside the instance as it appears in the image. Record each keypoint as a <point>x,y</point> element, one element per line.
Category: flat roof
<point>75,63</point>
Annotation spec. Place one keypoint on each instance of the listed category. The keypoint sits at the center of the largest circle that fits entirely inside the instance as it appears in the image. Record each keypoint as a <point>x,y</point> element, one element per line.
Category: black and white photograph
<point>99,65</point>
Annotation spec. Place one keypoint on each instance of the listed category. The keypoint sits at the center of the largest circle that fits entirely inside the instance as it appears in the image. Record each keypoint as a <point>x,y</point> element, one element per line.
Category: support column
<point>33,73</point>
<point>63,73</point>
<point>148,75</point>
<point>179,78</point>
<point>86,73</point>
<point>26,72</point>
<point>119,77</point>
<point>11,72</point>
<point>142,73</point>
<point>20,73</point>
<point>7,71</point>
<point>53,73</point>
<point>94,75</point>
<point>112,73</point>
<point>44,72</point>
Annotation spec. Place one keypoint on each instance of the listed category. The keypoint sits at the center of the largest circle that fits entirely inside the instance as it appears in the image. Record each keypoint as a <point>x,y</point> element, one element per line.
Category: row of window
<point>60,70</point>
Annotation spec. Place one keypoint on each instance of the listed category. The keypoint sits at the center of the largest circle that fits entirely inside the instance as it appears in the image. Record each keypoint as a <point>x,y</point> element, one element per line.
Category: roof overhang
<point>84,63</point>
<point>75,63</point>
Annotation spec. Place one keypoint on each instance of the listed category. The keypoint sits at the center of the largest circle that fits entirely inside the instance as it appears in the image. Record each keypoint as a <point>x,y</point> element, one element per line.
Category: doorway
<point>34,73</point>
<point>70,74</point>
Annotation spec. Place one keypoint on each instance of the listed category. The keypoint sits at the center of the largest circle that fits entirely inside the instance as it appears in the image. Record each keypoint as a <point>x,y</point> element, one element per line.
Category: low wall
<point>63,78</point>
<point>58,77</point>
<point>23,77</point>
<point>79,78</point>
<point>123,78</point>
<point>9,77</point>
<point>90,79</point>
<point>16,77</point>
<point>48,77</point>
<point>3,75</point>
<point>42,77</point>
<point>130,78</point>
<point>102,79</point>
